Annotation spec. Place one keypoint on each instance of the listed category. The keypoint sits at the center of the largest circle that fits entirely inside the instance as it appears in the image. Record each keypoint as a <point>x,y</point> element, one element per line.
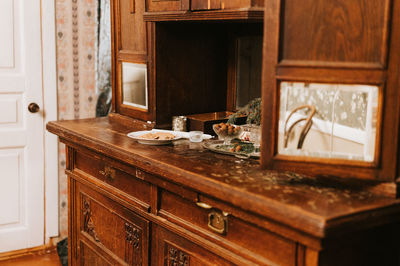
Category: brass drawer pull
<point>108,172</point>
<point>203,205</point>
<point>218,222</point>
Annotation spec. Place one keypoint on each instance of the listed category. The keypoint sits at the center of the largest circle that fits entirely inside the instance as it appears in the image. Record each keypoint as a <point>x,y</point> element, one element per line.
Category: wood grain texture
<point>205,5</point>
<point>255,14</point>
<point>163,5</point>
<point>118,230</point>
<point>353,32</point>
<point>318,206</point>
<point>351,46</point>
<point>190,69</point>
<point>132,38</point>
<point>268,211</point>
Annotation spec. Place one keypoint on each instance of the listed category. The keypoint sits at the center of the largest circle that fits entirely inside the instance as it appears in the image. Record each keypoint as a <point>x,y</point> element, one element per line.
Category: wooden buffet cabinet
<point>181,204</point>
<point>135,204</point>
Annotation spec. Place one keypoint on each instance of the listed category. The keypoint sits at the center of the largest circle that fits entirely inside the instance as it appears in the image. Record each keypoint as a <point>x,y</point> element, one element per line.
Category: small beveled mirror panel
<point>328,120</point>
<point>134,85</point>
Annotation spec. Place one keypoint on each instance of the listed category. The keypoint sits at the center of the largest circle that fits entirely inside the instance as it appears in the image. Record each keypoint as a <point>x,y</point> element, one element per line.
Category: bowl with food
<point>227,132</point>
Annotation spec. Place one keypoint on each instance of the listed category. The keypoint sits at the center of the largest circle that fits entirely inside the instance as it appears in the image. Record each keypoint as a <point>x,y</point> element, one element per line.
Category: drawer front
<point>172,249</point>
<point>205,4</point>
<point>167,5</point>
<point>238,4</point>
<point>108,232</point>
<point>131,184</point>
<point>234,232</point>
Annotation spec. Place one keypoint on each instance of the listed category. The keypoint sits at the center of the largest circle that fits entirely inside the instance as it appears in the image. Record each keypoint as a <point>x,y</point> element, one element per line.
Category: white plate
<point>135,135</point>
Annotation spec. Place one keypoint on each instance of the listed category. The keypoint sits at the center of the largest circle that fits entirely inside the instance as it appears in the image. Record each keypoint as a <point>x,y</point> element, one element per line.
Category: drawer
<point>205,4</point>
<point>109,232</point>
<point>167,5</point>
<point>110,174</point>
<point>171,249</point>
<point>232,232</point>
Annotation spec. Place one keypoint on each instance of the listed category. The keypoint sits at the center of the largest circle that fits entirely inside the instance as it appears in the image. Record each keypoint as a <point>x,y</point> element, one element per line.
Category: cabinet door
<point>107,232</point>
<point>130,28</point>
<point>171,249</point>
<point>132,36</point>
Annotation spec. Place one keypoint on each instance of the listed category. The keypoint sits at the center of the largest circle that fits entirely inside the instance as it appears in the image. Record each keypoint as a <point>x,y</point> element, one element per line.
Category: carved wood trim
<point>177,257</point>
<point>70,157</point>
<point>88,225</point>
<point>72,252</point>
<point>133,244</point>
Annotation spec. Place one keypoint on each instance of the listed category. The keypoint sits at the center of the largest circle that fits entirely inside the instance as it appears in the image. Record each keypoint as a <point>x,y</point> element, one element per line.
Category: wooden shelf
<point>256,15</point>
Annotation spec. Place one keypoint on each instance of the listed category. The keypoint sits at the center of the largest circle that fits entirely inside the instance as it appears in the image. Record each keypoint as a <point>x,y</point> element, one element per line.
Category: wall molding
<point>49,78</point>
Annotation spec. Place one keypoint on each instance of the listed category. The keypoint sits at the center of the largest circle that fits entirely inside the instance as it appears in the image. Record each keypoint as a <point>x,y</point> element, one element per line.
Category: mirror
<point>328,120</point>
<point>134,85</point>
<point>249,61</point>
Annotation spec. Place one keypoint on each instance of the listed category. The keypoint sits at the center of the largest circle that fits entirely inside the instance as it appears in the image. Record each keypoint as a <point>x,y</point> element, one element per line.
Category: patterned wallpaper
<point>76,26</point>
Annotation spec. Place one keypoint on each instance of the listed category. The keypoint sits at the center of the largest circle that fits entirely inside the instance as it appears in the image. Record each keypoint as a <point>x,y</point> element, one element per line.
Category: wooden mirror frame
<point>382,72</point>
<point>123,109</point>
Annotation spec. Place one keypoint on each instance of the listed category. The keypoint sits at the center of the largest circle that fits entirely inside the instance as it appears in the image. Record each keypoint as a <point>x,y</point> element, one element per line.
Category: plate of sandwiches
<point>154,137</point>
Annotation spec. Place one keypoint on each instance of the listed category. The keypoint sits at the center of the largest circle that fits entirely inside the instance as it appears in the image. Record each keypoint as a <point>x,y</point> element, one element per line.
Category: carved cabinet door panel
<point>169,249</point>
<point>107,232</point>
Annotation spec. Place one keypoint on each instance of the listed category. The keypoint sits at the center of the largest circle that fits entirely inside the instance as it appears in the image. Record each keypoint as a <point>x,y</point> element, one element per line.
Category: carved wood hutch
<point>180,204</point>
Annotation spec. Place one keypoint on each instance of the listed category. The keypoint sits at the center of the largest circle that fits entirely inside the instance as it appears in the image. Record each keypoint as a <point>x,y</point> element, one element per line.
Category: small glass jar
<point>196,136</point>
<point>179,123</point>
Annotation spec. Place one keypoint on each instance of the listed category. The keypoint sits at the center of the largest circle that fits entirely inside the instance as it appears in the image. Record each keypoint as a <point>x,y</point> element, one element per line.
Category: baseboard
<point>45,249</point>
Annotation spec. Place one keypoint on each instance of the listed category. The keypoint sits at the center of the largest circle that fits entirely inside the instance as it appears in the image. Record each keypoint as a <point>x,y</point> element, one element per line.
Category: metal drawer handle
<point>218,222</point>
<point>203,205</point>
<point>108,172</point>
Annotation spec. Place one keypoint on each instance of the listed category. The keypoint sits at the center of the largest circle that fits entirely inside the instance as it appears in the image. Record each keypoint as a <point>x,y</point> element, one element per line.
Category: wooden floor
<point>48,259</point>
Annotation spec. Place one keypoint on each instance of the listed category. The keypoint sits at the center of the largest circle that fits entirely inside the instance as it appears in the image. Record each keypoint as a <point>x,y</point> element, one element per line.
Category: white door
<point>21,132</point>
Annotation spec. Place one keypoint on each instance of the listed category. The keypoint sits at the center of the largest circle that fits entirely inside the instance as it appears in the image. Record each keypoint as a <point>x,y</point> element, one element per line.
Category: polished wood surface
<point>178,187</point>
<point>355,33</point>
<point>181,204</point>
<point>283,195</point>
<point>354,45</point>
<point>187,63</point>
<point>43,259</point>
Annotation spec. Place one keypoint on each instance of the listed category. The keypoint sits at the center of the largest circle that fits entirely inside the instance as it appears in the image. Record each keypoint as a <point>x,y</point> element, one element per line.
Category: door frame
<point>50,111</point>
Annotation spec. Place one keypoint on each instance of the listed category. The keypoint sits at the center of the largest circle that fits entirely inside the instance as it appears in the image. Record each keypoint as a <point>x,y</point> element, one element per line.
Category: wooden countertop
<point>320,207</point>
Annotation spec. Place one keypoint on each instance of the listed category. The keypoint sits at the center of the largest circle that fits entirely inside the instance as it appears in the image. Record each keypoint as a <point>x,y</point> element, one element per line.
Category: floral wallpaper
<point>77,34</point>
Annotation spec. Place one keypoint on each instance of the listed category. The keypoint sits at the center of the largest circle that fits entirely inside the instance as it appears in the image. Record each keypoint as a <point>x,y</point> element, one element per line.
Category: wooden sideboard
<point>180,204</point>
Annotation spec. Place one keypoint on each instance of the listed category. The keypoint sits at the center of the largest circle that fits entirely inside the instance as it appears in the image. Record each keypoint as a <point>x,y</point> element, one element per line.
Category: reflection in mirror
<point>328,120</point>
<point>249,59</point>
<point>134,85</point>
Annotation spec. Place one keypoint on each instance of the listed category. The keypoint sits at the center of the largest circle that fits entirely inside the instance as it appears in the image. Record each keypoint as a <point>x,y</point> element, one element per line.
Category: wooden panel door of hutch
<point>356,45</point>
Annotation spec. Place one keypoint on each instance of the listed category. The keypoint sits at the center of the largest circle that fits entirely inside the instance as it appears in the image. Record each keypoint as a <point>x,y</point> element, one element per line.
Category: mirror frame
<point>129,110</point>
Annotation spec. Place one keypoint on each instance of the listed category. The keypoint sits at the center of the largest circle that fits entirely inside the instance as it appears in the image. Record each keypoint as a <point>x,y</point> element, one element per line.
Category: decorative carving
<point>177,257</point>
<point>88,225</point>
<point>132,235</point>
<point>133,253</point>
